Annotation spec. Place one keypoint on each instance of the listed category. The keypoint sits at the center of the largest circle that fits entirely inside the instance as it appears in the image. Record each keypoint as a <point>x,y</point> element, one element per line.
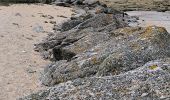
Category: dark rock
<point>101,22</point>
<point>47,16</point>
<point>53,22</point>
<point>78,2</point>
<point>45,21</point>
<point>62,4</point>
<point>62,16</point>
<point>67,25</point>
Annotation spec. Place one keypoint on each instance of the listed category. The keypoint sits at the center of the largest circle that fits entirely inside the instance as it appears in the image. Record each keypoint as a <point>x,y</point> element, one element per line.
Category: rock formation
<point>149,82</point>
<point>96,56</point>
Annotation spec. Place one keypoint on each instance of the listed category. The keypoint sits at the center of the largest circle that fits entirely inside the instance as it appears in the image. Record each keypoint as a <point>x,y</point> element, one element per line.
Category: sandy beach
<point>22,26</point>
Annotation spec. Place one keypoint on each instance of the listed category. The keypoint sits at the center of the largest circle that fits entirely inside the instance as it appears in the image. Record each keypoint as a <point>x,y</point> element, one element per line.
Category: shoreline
<point>22,26</point>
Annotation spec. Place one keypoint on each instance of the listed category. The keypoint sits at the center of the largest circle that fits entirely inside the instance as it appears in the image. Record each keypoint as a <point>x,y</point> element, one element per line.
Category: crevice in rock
<point>62,54</point>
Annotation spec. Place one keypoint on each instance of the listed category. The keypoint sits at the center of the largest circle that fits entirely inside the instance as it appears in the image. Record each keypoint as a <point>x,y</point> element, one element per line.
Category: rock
<point>29,70</point>
<point>45,21</point>
<point>78,2</point>
<point>47,16</point>
<point>113,53</point>
<point>96,56</point>
<point>16,24</point>
<point>90,2</point>
<point>135,50</point>
<point>100,44</point>
<point>62,4</point>
<point>73,31</point>
<point>37,28</point>
<point>98,22</point>
<point>67,25</point>
<point>18,14</point>
<point>52,22</point>
<point>62,16</point>
<point>149,82</point>
<point>1,36</point>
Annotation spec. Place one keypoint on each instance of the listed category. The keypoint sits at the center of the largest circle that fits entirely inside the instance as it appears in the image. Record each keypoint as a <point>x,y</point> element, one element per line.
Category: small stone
<point>16,24</point>
<point>18,14</point>
<point>29,70</point>
<point>50,17</point>
<point>45,21</point>
<point>144,94</point>
<point>24,51</point>
<point>53,22</point>
<point>29,38</point>
<point>38,28</point>
<point>62,16</point>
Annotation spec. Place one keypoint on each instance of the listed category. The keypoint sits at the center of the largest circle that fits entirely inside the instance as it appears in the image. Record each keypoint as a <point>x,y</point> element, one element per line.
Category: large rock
<point>101,53</point>
<point>100,22</point>
<point>96,56</point>
<point>150,82</point>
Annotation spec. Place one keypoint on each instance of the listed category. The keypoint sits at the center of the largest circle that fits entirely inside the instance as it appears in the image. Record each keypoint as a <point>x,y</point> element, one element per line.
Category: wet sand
<point>148,18</point>
<point>21,26</point>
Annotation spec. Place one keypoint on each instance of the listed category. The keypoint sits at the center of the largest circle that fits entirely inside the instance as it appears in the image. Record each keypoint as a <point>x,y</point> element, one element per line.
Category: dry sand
<point>18,61</point>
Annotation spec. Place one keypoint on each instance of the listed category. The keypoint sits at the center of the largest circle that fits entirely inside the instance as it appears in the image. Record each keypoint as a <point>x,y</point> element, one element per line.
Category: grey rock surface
<point>100,45</point>
<point>103,54</point>
<point>96,56</point>
<point>149,82</point>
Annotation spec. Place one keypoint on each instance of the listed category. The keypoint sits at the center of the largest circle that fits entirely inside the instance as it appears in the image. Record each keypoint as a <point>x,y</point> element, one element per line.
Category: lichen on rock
<point>102,58</point>
<point>135,84</point>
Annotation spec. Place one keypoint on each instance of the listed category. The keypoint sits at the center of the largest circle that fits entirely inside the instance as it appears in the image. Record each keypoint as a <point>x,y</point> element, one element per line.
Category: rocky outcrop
<point>149,82</point>
<point>96,56</point>
<point>103,54</point>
